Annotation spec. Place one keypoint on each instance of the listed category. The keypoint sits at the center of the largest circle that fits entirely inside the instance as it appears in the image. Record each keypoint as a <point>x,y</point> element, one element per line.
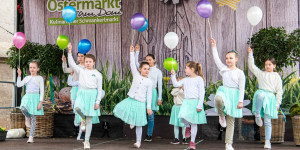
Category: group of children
<point>143,99</point>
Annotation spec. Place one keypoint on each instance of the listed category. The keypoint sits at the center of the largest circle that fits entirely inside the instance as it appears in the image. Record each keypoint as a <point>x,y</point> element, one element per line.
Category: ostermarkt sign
<point>88,11</point>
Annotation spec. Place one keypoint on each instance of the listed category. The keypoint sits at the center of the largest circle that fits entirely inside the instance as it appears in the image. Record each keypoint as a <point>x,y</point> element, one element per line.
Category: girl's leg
<point>73,103</point>
<point>33,125</point>
<point>89,126</point>
<point>78,110</point>
<point>176,132</point>
<point>186,123</point>
<point>187,129</point>
<point>150,124</point>
<point>268,131</point>
<point>138,132</point>
<point>194,130</point>
<point>27,116</point>
<point>219,104</point>
<point>183,132</point>
<point>259,104</point>
<point>229,130</point>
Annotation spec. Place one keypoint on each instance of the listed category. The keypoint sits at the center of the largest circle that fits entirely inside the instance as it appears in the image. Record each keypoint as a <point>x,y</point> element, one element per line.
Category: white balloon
<point>171,40</point>
<point>254,15</point>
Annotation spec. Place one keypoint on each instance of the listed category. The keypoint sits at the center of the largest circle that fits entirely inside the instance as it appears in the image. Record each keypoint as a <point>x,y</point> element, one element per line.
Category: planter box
<point>3,135</point>
<point>296,129</point>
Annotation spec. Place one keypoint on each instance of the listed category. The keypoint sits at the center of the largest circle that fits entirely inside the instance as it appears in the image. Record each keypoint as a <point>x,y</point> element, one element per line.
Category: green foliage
<point>271,43</point>
<point>295,110</point>
<point>167,103</point>
<point>211,89</point>
<point>49,57</point>
<point>2,129</point>
<point>293,44</point>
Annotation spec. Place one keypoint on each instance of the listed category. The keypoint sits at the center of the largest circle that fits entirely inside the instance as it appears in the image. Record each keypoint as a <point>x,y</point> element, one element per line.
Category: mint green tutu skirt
<point>31,102</point>
<point>73,92</point>
<point>86,100</point>
<point>269,104</point>
<point>131,111</point>
<point>188,111</point>
<point>154,105</point>
<point>230,97</point>
<point>174,120</point>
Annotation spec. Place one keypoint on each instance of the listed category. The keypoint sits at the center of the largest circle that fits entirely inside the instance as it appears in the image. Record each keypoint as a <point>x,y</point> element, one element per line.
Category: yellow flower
<point>166,79</point>
<point>48,83</point>
<point>3,129</point>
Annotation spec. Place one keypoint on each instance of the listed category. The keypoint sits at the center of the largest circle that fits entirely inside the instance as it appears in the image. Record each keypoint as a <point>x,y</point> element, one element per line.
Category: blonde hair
<point>197,67</point>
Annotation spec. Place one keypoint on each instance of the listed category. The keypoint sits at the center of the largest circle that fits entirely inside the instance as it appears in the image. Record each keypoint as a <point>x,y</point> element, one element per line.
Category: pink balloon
<point>19,39</point>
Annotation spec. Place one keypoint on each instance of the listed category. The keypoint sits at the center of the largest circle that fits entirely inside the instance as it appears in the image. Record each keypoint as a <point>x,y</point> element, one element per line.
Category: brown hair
<point>273,61</point>
<point>151,55</point>
<point>180,78</point>
<point>80,53</point>
<point>143,63</point>
<point>35,62</point>
<point>233,51</point>
<point>197,67</point>
<point>90,56</point>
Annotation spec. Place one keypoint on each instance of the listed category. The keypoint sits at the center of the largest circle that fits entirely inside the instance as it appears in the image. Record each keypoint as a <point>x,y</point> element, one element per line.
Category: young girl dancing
<point>31,104</point>
<point>191,111</point>
<point>89,94</point>
<point>132,110</point>
<point>268,98</point>
<point>229,97</point>
<point>156,77</point>
<point>178,95</point>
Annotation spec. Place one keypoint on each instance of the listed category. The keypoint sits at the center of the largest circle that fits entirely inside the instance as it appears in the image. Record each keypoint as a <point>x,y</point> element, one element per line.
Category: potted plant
<point>295,115</point>
<point>2,134</point>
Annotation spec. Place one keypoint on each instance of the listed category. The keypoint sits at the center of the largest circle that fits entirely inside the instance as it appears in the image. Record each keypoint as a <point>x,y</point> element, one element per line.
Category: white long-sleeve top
<point>141,87</point>
<point>193,88</point>
<point>34,85</point>
<point>88,79</point>
<point>270,81</point>
<point>231,78</point>
<point>69,70</point>
<point>155,75</point>
<point>71,82</point>
<point>178,95</point>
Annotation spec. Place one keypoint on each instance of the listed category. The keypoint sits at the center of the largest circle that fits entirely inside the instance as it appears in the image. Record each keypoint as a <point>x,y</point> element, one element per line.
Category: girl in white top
<point>191,111</point>
<point>229,97</point>
<point>268,98</point>
<point>132,110</point>
<point>178,95</point>
<point>89,94</point>
<point>156,77</point>
<point>31,104</point>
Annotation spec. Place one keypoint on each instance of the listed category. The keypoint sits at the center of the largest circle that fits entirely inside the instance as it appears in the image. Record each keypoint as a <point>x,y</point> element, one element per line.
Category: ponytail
<point>200,73</point>
<point>197,67</point>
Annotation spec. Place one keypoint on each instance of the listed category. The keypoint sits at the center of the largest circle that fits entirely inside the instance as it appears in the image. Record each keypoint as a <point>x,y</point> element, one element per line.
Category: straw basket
<point>278,129</point>
<point>296,129</point>
<point>17,120</point>
<point>44,125</point>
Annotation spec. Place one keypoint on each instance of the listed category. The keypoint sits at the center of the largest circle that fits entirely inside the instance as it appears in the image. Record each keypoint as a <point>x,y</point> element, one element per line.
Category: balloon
<point>84,46</point>
<point>170,63</point>
<point>69,14</point>
<point>62,41</point>
<point>19,39</point>
<point>171,40</point>
<point>204,8</point>
<point>144,27</point>
<point>137,21</point>
<point>254,15</point>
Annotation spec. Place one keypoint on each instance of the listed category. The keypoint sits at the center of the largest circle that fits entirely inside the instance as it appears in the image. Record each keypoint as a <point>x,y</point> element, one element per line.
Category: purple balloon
<point>137,21</point>
<point>204,8</point>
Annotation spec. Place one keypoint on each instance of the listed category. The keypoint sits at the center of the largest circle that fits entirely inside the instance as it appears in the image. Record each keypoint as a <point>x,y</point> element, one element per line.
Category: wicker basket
<point>278,129</point>
<point>17,120</point>
<point>44,125</point>
<point>296,129</point>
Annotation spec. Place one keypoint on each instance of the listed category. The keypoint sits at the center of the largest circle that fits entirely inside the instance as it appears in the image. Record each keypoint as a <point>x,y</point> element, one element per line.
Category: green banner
<point>86,20</point>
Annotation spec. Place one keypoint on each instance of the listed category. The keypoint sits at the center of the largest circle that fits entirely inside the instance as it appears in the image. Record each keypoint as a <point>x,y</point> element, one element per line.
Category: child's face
<point>33,68</point>
<point>145,70</point>
<point>231,59</point>
<point>80,58</point>
<point>89,63</point>
<point>269,66</point>
<point>188,70</point>
<point>150,60</point>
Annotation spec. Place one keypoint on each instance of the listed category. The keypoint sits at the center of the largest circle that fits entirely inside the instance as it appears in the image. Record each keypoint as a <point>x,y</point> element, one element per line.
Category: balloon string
<point>251,35</point>
<point>19,58</point>
<point>132,37</point>
<point>209,27</point>
<point>69,32</point>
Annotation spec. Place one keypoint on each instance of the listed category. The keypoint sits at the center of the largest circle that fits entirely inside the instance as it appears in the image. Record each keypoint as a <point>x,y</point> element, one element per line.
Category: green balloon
<point>170,63</point>
<point>62,41</point>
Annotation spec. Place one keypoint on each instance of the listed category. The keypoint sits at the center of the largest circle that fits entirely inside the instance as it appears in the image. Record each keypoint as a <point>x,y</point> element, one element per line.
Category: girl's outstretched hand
<point>39,106</point>
<point>213,42</point>
<point>173,72</point>
<point>149,112</point>
<point>19,72</point>
<point>249,50</point>
<point>131,48</point>
<point>70,47</point>
<point>240,105</point>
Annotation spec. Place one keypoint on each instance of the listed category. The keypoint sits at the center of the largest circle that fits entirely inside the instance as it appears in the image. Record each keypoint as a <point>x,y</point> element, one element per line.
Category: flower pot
<point>296,129</point>
<point>278,129</point>
<point>3,135</point>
